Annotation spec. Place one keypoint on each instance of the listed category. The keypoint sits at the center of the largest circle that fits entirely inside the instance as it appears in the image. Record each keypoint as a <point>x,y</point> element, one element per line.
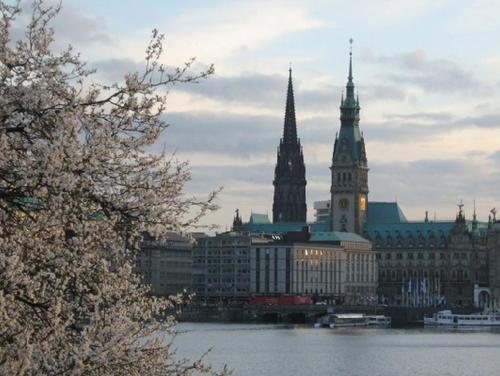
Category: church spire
<point>289,204</point>
<point>290,125</point>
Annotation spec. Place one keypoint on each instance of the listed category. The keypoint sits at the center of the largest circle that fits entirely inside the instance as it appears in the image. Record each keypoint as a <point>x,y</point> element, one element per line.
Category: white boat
<point>474,319</point>
<point>336,320</point>
<point>339,320</point>
<point>378,320</point>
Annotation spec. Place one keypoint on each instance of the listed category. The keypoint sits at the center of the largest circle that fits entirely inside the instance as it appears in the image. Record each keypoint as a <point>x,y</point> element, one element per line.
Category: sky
<point>427,74</point>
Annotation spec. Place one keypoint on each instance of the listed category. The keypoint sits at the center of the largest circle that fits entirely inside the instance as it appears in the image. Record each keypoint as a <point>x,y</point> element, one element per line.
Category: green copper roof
<point>419,232</point>
<point>385,212</point>
<point>273,227</point>
<point>336,236</point>
<point>259,219</point>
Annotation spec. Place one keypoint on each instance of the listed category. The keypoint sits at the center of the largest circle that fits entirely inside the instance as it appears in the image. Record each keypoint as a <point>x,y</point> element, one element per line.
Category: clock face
<point>343,203</point>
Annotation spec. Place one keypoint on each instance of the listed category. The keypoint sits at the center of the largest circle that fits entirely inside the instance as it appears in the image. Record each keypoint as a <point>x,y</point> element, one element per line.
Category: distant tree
<point>77,189</point>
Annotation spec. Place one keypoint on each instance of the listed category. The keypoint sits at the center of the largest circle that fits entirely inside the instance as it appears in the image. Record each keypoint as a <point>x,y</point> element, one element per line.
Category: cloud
<point>481,121</point>
<point>249,88</point>
<point>431,75</point>
<point>479,17</point>
<point>237,28</point>
<point>114,69</point>
<point>224,133</point>
<point>71,26</point>
<point>434,184</point>
<point>495,157</point>
<point>75,26</point>
<point>425,116</point>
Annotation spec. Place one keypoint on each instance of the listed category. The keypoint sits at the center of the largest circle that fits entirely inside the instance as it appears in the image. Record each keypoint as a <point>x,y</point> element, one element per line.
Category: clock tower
<point>349,189</point>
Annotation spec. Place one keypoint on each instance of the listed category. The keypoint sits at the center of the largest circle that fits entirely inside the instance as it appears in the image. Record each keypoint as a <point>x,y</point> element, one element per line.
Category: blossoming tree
<point>76,191</point>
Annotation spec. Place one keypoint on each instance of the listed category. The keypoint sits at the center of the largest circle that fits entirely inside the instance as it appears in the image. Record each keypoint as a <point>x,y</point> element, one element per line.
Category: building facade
<point>166,264</point>
<point>431,263</point>
<point>338,267</point>
<point>221,268</point>
<point>289,203</point>
<point>322,211</point>
<point>493,244</point>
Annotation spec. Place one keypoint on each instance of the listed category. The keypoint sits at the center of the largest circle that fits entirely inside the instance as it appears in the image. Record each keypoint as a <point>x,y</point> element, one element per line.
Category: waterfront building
<point>289,204</point>
<point>221,267</point>
<point>431,263</point>
<point>333,266</point>
<point>166,264</point>
<point>493,245</point>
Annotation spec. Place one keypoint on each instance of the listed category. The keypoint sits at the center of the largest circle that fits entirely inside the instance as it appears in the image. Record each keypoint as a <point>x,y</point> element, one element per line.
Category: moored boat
<point>337,320</point>
<point>379,320</point>
<point>447,318</point>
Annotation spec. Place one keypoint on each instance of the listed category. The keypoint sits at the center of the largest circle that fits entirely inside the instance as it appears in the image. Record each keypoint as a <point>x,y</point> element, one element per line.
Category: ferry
<point>474,319</point>
<point>339,320</point>
<point>379,320</point>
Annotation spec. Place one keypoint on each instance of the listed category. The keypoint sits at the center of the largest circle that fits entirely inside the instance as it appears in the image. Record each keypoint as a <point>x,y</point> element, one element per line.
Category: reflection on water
<point>301,350</point>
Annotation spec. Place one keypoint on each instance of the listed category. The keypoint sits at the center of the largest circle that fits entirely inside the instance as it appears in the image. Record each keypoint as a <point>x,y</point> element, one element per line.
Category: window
<point>410,256</point>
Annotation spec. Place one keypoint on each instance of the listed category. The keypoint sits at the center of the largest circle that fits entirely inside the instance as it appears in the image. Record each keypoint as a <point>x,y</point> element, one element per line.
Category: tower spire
<point>350,100</point>
<point>290,125</point>
<point>350,60</point>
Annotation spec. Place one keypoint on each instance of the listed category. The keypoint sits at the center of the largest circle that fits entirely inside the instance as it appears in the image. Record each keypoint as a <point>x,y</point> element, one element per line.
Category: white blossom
<point>76,193</point>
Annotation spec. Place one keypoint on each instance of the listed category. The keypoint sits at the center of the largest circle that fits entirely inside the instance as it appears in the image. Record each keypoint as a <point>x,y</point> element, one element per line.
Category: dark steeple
<point>289,176</point>
<point>237,222</point>
<point>290,126</point>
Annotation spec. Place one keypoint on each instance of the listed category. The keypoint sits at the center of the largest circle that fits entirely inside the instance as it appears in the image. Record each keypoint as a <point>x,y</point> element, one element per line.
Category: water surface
<point>276,350</point>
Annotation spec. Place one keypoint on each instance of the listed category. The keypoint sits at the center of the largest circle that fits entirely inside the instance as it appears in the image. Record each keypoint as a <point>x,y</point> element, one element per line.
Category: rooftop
<point>385,212</point>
